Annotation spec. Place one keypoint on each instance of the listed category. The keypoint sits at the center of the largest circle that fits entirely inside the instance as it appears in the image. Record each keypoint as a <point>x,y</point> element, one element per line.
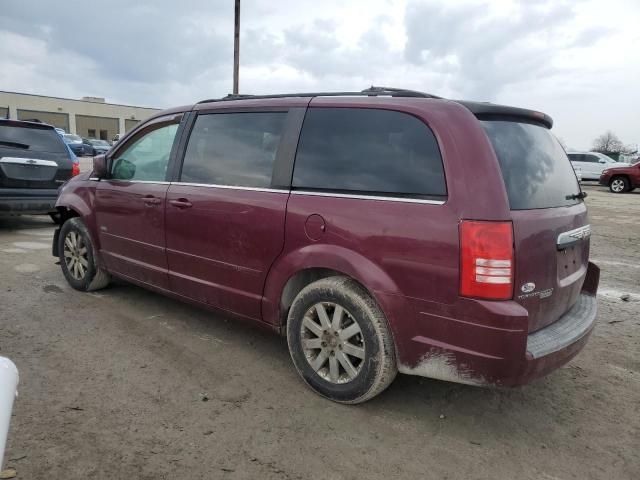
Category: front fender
<point>332,257</point>
<point>79,197</point>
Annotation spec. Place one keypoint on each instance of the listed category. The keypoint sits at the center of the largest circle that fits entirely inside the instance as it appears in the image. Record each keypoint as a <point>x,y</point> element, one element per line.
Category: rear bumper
<point>27,201</point>
<point>497,350</point>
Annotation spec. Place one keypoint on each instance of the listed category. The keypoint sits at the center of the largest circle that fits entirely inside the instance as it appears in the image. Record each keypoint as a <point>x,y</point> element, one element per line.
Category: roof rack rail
<point>372,91</point>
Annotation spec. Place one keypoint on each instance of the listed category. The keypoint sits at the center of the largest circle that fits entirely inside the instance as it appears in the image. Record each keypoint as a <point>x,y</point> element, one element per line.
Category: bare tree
<point>608,142</point>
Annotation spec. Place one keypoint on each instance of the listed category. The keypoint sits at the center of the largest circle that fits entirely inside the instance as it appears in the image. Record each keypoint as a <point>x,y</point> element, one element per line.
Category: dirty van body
<point>380,231</point>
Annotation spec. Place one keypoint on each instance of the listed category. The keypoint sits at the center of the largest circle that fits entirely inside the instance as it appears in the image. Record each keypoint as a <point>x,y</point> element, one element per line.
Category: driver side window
<point>147,157</point>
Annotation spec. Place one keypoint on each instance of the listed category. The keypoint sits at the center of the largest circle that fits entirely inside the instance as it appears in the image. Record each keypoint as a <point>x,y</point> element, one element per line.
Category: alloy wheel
<point>75,255</point>
<point>332,342</point>
<point>617,185</point>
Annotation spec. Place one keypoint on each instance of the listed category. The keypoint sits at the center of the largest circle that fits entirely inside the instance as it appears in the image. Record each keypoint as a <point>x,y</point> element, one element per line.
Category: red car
<point>381,231</point>
<point>621,179</point>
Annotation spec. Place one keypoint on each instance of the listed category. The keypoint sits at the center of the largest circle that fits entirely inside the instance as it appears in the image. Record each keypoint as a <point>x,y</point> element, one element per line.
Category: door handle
<point>150,200</point>
<point>181,203</point>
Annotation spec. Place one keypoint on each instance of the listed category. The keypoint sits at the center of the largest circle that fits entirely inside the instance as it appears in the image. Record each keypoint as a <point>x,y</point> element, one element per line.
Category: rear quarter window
<point>368,151</point>
<point>535,168</point>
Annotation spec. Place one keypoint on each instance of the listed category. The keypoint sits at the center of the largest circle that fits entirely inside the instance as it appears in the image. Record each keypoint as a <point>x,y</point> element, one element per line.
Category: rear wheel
<point>77,257</point>
<point>340,342</point>
<point>619,184</point>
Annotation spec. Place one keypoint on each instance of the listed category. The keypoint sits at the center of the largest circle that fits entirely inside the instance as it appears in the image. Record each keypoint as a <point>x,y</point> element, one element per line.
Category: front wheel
<point>77,257</point>
<point>340,342</point>
<point>619,184</point>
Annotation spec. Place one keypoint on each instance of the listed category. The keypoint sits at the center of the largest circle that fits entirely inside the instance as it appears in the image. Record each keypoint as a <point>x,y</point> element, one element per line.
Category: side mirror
<point>602,160</point>
<point>123,169</point>
<point>99,166</point>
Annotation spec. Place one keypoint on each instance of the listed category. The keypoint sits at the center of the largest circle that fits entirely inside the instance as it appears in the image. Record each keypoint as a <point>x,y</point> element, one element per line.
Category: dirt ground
<point>113,386</point>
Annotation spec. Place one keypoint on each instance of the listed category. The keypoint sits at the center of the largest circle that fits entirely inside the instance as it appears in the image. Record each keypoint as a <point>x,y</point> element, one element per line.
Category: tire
<point>360,334</point>
<point>77,257</point>
<point>619,184</point>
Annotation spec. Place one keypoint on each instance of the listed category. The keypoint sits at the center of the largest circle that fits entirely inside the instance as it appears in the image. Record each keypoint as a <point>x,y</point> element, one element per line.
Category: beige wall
<point>102,127</point>
<point>73,108</point>
<point>129,124</point>
<point>60,120</point>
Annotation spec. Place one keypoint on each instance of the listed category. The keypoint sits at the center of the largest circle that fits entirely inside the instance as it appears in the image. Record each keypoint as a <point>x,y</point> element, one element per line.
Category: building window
<point>104,135</point>
<point>92,133</point>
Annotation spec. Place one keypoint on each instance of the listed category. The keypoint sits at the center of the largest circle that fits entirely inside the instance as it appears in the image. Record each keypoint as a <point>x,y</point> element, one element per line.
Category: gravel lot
<point>113,385</point>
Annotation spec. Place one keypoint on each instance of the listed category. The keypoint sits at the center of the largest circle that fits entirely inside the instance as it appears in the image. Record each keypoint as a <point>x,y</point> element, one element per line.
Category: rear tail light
<point>486,260</point>
<point>75,169</point>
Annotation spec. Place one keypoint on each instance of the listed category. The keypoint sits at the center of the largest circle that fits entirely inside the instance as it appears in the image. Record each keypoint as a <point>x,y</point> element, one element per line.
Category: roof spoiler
<point>491,111</point>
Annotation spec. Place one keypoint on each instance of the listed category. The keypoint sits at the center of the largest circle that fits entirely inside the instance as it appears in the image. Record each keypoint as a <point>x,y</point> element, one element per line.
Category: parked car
<point>593,163</point>
<point>8,392</point>
<point>116,139</point>
<point>621,179</point>
<point>60,131</point>
<point>95,147</point>
<point>34,162</point>
<point>75,144</point>
<point>381,231</point>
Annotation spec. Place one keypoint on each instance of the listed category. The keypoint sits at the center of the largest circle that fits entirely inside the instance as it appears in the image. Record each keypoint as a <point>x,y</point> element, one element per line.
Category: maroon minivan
<point>382,231</point>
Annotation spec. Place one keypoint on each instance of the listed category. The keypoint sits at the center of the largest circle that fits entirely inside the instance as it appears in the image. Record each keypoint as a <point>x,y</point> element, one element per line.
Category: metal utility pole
<point>236,49</point>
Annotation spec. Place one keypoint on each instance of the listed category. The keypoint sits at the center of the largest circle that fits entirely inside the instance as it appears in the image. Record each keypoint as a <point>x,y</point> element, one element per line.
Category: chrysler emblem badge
<point>528,287</point>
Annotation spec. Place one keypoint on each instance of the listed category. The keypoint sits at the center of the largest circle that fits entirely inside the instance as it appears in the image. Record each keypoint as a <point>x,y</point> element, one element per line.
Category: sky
<point>578,61</point>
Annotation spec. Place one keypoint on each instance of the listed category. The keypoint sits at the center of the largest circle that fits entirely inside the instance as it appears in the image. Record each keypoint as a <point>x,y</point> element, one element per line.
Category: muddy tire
<point>77,257</point>
<point>340,341</point>
<point>619,184</point>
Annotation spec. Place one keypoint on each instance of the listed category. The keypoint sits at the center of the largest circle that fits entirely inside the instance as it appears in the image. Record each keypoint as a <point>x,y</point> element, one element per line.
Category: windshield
<point>70,138</point>
<point>535,168</point>
<point>33,139</point>
<point>100,143</point>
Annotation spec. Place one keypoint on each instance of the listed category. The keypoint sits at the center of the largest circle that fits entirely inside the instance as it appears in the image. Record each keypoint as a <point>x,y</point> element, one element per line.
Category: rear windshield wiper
<point>577,196</point>
<point>24,146</point>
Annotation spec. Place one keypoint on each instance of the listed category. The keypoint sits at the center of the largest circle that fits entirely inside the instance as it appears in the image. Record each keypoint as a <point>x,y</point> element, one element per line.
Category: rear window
<point>31,139</point>
<point>535,168</point>
<point>368,151</point>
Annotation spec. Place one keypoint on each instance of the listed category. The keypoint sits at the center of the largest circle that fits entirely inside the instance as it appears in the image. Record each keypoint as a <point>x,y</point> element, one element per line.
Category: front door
<point>224,217</point>
<point>130,205</point>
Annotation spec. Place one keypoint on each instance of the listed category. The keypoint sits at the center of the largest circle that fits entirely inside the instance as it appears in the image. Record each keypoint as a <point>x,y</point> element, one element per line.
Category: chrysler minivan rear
<point>546,271</point>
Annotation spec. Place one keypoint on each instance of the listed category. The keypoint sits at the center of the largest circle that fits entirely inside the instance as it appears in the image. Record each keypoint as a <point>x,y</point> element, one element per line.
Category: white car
<point>593,163</point>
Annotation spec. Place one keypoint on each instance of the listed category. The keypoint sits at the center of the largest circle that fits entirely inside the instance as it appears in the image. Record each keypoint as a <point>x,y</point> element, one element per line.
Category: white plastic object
<point>8,391</point>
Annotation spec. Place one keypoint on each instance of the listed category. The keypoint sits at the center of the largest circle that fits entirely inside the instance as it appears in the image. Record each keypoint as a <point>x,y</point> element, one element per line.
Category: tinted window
<point>576,157</point>
<point>535,168</point>
<point>34,139</point>
<point>233,149</point>
<point>146,157</point>
<point>368,151</point>
<point>591,159</point>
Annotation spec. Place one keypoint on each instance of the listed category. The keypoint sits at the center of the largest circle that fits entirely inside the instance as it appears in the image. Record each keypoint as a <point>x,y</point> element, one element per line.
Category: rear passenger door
<point>225,213</point>
<point>592,166</point>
